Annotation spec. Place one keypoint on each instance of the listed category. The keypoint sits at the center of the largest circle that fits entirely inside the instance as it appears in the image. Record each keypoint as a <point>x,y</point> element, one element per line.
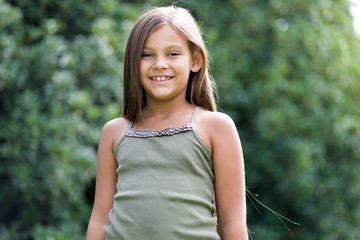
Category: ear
<point>198,60</point>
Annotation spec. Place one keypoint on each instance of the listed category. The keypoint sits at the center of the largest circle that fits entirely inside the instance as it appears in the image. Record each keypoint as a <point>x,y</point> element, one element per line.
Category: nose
<point>160,63</point>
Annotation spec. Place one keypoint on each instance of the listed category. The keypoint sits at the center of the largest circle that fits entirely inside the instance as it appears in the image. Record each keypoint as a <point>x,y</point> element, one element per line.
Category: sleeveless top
<point>165,186</point>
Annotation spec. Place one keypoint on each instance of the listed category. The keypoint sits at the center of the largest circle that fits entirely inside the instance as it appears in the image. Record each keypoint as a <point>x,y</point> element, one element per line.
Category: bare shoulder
<point>216,121</point>
<point>116,124</point>
<point>114,130</point>
<point>214,127</point>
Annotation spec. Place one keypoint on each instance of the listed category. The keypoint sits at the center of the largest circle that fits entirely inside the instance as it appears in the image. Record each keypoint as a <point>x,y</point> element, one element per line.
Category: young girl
<point>160,166</point>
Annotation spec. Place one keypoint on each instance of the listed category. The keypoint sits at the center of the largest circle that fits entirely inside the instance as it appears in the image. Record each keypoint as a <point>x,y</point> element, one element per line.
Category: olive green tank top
<point>165,186</point>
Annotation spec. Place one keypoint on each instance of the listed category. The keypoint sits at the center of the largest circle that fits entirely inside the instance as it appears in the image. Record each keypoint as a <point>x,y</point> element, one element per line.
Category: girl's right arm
<point>106,178</point>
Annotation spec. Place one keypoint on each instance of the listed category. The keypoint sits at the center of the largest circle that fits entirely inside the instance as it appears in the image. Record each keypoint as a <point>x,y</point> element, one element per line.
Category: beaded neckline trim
<point>141,133</point>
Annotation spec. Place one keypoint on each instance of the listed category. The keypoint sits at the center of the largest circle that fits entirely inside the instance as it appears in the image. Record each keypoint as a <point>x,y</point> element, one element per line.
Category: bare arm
<point>106,179</point>
<point>229,171</point>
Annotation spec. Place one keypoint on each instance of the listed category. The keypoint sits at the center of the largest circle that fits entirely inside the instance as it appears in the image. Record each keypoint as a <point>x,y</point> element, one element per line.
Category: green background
<point>288,74</point>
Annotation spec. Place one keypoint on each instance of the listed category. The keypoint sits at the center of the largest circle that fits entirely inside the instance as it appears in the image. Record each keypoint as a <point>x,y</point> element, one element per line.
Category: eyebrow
<point>169,47</point>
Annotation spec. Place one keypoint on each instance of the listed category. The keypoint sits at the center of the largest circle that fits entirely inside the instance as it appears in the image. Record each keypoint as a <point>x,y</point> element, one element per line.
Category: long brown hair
<point>200,86</point>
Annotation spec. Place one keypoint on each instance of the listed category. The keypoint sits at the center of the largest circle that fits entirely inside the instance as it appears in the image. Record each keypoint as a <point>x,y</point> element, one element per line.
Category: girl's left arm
<point>230,192</point>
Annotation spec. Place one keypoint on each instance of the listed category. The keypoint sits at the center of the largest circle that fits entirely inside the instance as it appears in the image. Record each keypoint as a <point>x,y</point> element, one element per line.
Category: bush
<point>287,74</point>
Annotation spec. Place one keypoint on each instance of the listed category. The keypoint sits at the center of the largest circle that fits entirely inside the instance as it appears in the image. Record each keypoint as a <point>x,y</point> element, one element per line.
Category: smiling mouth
<point>160,78</point>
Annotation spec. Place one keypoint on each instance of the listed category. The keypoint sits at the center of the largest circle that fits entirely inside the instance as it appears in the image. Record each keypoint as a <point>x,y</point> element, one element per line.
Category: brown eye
<point>172,54</point>
<point>146,55</point>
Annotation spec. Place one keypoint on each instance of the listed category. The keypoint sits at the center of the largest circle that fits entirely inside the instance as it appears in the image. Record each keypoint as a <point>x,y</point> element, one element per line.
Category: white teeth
<point>160,78</point>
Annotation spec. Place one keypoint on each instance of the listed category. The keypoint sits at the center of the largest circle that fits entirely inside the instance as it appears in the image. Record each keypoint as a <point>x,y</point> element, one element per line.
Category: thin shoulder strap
<point>194,114</point>
<point>122,138</point>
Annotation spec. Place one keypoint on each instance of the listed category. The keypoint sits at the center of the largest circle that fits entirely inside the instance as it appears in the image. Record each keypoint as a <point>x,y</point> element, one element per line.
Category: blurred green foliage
<point>287,72</point>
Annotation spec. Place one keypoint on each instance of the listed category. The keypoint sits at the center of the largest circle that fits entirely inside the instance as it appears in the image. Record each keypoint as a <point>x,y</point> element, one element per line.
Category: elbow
<point>234,230</point>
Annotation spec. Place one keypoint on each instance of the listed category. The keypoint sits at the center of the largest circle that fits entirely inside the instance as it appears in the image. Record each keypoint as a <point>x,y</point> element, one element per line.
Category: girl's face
<point>165,65</point>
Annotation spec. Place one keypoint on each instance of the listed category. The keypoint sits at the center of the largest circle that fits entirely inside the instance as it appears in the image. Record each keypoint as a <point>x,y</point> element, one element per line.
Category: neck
<point>163,109</point>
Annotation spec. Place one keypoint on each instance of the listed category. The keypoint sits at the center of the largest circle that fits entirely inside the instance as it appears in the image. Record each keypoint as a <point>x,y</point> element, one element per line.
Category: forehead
<point>165,36</point>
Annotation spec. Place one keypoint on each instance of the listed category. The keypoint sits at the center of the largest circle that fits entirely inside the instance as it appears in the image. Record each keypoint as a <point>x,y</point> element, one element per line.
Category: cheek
<point>183,65</point>
<point>142,68</point>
